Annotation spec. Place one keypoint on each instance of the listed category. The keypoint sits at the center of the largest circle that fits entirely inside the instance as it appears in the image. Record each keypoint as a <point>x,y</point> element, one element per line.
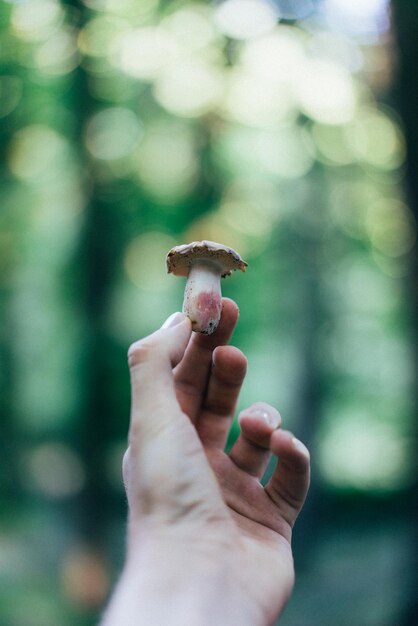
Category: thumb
<point>151,361</point>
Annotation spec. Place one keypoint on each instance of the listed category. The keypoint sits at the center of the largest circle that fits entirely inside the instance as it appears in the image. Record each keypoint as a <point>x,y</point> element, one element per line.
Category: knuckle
<point>126,468</point>
<point>134,435</point>
<point>140,351</point>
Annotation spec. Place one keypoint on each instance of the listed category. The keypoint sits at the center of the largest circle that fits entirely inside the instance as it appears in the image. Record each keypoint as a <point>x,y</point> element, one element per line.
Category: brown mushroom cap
<point>181,258</point>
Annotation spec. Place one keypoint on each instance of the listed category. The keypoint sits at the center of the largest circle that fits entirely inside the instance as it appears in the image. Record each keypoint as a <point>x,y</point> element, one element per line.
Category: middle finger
<point>192,374</point>
<point>228,372</point>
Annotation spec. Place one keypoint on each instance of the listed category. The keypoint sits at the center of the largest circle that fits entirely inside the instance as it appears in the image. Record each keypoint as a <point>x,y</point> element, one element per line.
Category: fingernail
<point>263,414</point>
<point>300,446</point>
<point>173,320</point>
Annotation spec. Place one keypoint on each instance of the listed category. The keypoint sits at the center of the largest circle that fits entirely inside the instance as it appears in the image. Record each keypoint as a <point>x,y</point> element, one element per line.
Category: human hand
<point>207,543</point>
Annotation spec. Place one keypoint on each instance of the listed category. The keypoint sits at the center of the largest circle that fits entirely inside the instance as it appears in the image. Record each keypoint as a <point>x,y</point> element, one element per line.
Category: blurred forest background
<point>287,130</point>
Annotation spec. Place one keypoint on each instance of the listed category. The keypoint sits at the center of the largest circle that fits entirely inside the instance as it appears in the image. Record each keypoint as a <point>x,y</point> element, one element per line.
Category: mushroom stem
<point>202,296</point>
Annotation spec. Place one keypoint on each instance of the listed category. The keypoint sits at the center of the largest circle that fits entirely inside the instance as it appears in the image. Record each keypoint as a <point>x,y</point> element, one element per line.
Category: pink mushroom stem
<point>202,296</point>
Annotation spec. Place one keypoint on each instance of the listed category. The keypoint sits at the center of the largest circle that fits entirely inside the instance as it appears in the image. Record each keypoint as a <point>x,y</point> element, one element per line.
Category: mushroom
<point>204,263</point>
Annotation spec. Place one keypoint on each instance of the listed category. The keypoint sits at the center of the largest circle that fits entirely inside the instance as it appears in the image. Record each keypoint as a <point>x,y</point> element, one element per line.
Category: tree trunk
<point>405,20</point>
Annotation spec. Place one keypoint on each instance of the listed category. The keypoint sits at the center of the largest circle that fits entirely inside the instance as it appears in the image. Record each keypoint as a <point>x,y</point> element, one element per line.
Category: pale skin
<point>208,544</point>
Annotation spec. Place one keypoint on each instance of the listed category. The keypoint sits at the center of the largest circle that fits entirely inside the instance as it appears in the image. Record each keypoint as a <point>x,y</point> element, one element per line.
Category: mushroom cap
<point>180,258</point>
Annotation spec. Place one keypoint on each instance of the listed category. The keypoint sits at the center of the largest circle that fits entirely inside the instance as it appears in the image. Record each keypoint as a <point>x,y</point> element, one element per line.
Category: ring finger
<point>251,451</point>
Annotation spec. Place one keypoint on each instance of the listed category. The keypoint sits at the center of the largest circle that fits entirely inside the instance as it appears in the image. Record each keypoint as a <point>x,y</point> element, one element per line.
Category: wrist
<point>205,604</point>
<point>174,592</point>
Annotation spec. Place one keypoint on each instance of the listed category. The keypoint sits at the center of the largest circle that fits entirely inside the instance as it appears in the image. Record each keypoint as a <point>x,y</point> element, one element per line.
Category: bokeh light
<point>332,144</point>
<point>166,161</point>
<point>143,9</point>
<point>35,151</point>
<point>279,153</point>
<point>36,20</point>
<point>275,57</point>
<point>245,19</point>
<point>256,102</point>
<point>113,133</point>
<point>100,35</point>
<point>144,260</point>
<point>58,55</point>
<point>326,91</point>
<point>189,88</point>
<point>84,577</point>
<point>192,26</point>
<point>391,227</point>
<point>375,139</point>
<point>54,470</point>
<point>359,451</point>
<point>144,52</point>
<point>359,18</point>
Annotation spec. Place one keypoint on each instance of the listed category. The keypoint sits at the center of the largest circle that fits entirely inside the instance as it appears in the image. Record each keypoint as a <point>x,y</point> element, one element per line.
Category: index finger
<point>192,374</point>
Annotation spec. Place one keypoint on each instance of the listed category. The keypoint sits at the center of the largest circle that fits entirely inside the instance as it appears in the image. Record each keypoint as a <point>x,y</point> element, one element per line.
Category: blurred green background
<point>285,130</point>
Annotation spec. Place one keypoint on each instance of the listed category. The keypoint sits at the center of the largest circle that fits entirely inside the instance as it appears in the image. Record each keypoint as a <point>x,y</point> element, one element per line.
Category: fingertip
<point>177,322</point>
<point>178,334</point>
<point>260,412</point>
<point>301,448</point>
<point>290,449</point>
<point>173,320</point>
<point>289,483</point>
<point>230,311</point>
<point>228,303</point>
<point>171,339</point>
<point>258,422</point>
<point>230,357</point>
